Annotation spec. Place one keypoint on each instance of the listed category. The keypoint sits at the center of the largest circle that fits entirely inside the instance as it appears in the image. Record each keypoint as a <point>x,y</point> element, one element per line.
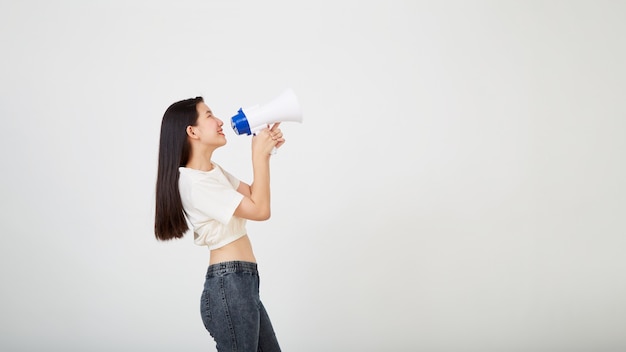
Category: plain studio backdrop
<point>457,183</point>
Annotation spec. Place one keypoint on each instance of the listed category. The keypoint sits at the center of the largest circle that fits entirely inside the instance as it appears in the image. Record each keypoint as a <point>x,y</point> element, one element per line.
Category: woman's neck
<point>200,162</point>
<point>202,166</point>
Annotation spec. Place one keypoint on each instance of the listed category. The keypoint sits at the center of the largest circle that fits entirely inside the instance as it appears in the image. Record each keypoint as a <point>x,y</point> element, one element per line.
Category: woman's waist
<point>230,267</point>
<point>237,250</point>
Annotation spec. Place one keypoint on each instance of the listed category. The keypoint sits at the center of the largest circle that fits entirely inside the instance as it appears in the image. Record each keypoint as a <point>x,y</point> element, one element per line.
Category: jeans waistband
<point>231,267</point>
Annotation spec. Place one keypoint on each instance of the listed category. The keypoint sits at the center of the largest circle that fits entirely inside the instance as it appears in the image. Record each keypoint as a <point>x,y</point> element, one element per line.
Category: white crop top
<point>210,199</point>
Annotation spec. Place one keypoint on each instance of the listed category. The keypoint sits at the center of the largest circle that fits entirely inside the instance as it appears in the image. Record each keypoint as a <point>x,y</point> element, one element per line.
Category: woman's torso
<point>240,249</point>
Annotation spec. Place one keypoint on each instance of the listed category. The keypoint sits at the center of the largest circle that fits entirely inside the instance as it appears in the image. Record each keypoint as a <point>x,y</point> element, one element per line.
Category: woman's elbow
<point>253,211</point>
<point>257,215</point>
<point>264,215</point>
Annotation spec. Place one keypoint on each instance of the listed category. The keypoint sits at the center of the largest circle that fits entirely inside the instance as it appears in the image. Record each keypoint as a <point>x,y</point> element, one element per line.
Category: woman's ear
<point>190,132</point>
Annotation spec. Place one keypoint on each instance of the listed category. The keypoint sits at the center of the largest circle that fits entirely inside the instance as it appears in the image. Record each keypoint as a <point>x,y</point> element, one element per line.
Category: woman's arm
<point>244,189</point>
<point>255,204</point>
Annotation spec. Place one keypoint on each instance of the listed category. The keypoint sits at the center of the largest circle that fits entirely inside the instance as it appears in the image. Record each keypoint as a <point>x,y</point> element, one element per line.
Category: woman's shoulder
<point>194,176</point>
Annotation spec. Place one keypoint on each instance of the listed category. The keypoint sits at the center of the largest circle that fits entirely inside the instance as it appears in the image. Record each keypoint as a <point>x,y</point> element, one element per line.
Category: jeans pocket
<point>205,309</point>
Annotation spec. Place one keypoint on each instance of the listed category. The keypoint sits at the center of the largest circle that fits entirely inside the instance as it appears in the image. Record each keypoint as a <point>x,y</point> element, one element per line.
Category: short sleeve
<point>215,199</point>
<point>232,179</point>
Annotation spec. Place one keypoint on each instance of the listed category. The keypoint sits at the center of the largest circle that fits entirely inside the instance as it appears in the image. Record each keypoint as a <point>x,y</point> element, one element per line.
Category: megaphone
<point>251,120</point>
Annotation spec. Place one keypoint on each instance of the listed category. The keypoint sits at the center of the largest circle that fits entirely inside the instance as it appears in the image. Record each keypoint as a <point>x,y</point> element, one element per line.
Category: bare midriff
<point>240,250</point>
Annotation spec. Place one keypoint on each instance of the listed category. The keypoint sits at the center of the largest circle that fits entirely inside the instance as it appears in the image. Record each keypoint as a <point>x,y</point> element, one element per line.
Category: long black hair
<point>174,148</point>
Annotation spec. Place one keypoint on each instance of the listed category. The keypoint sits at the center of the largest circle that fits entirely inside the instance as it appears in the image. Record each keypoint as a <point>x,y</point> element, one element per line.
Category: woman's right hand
<point>266,140</point>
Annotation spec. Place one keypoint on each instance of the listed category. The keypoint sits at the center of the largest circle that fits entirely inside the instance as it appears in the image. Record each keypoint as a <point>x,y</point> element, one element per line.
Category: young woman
<point>192,190</point>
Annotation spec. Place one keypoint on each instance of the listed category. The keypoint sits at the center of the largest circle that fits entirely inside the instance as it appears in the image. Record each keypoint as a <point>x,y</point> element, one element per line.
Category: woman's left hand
<point>277,135</point>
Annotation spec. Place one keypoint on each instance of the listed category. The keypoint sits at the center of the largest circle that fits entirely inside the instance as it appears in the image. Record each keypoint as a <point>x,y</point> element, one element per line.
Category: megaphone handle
<point>274,150</point>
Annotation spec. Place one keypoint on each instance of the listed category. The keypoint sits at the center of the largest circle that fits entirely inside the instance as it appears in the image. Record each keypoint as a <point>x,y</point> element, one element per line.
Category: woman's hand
<point>277,135</point>
<point>267,139</point>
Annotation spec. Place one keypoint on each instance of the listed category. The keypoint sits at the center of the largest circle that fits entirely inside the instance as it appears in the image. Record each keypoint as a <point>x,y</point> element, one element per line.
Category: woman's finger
<point>275,126</point>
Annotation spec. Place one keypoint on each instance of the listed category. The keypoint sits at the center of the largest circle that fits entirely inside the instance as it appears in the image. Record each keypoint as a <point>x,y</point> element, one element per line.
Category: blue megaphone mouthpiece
<point>240,124</point>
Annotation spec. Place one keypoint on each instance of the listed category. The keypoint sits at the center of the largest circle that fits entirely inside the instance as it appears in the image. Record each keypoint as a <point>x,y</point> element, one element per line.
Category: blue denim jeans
<point>232,311</point>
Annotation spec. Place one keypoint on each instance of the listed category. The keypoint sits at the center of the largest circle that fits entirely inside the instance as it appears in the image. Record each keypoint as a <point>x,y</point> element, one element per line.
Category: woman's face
<point>208,127</point>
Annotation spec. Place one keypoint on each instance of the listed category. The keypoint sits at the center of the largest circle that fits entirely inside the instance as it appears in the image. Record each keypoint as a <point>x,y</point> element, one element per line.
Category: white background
<point>457,183</point>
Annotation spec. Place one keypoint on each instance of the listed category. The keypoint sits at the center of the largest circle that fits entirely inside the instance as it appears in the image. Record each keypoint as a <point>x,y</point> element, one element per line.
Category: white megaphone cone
<point>285,107</point>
